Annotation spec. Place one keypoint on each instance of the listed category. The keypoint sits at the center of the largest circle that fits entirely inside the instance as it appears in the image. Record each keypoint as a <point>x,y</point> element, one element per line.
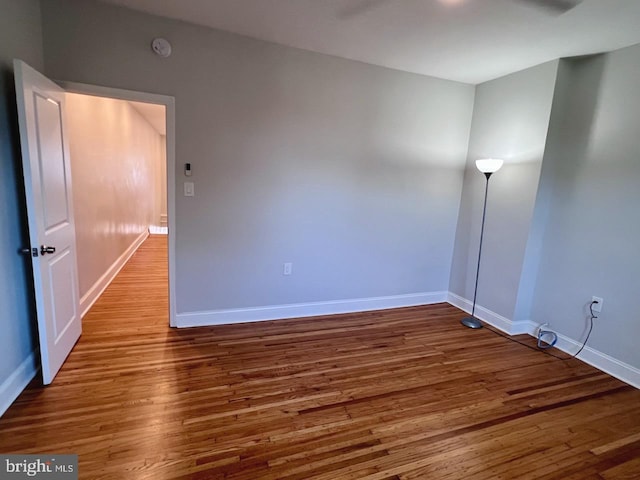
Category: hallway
<point>396,394</point>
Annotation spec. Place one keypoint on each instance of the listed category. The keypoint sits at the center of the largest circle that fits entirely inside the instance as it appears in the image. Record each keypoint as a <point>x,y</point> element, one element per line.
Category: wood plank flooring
<point>397,394</point>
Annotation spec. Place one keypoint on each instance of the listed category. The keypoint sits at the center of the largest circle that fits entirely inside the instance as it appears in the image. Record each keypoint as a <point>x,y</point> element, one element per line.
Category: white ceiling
<point>466,40</point>
<point>154,114</point>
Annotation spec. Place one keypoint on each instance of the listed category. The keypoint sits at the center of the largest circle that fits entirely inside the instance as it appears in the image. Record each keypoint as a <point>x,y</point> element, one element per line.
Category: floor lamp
<point>488,166</point>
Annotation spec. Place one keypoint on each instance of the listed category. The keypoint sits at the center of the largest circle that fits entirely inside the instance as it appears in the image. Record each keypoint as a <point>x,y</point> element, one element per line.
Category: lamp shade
<point>489,165</point>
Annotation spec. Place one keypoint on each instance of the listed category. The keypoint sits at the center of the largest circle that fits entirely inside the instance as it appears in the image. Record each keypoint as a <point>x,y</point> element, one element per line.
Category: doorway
<point>49,198</point>
<point>148,105</point>
<point>117,151</point>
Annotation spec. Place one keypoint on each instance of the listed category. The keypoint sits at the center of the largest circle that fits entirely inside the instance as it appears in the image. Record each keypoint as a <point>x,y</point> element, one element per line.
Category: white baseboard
<point>89,298</point>
<point>18,381</point>
<point>620,370</point>
<point>492,318</point>
<point>158,230</point>
<point>296,310</point>
<point>614,367</point>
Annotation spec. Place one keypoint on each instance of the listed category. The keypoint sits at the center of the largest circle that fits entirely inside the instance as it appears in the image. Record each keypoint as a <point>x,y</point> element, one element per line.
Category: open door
<point>47,183</point>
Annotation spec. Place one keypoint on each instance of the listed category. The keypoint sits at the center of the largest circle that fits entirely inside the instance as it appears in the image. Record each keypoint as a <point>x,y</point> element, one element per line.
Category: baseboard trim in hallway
<point>158,230</point>
<point>98,288</point>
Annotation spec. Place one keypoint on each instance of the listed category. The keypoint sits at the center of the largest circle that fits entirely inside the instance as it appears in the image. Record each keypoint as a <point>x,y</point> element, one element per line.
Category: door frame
<point>170,111</point>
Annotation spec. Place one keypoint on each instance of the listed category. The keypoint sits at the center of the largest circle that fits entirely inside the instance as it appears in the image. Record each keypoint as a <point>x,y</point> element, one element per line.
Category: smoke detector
<point>161,46</point>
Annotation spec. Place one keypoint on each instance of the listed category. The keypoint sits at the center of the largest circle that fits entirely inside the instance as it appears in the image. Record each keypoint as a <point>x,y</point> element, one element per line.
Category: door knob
<point>44,250</point>
<point>29,251</point>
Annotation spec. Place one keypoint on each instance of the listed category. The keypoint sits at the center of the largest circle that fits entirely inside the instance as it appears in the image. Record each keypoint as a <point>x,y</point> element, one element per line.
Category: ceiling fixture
<point>358,8</point>
<point>558,6</point>
<point>554,6</point>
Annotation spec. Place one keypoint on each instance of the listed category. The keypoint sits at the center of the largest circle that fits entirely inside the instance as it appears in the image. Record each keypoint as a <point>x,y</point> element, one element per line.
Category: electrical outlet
<point>287,268</point>
<point>597,307</point>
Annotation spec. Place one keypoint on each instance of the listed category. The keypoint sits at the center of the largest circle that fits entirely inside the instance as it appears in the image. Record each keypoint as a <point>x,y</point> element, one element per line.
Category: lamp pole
<point>487,167</point>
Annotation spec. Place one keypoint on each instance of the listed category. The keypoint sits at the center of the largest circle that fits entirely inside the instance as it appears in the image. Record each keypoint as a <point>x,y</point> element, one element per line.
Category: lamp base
<point>471,322</point>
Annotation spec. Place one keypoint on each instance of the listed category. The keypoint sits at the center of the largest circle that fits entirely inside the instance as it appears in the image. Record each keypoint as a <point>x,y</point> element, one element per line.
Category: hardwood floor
<point>396,394</point>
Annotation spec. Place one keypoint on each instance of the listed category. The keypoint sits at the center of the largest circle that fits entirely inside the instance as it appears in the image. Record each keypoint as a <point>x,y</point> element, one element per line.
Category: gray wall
<point>20,37</point>
<point>592,235</point>
<point>350,171</point>
<point>510,121</point>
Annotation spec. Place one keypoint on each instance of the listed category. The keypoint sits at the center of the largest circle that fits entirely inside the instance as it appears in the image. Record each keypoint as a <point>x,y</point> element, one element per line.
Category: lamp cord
<point>592,317</point>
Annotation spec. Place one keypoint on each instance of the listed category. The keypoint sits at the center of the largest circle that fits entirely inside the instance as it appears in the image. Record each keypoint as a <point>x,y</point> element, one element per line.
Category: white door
<point>47,183</point>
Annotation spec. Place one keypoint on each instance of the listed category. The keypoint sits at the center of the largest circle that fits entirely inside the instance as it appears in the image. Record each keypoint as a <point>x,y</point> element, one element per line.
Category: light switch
<point>189,189</point>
